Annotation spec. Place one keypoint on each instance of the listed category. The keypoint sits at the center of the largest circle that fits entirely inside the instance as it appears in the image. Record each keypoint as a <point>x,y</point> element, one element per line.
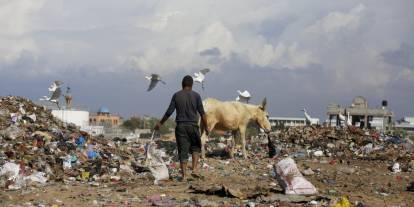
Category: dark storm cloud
<point>404,56</point>
<point>297,53</point>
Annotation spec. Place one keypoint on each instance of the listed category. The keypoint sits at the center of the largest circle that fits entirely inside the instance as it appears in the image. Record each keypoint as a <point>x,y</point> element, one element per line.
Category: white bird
<point>346,119</point>
<point>341,117</point>
<point>349,119</point>
<point>154,78</point>
<point>55,85</point>
<point>200,76</point>
<point>56,92</point>
<point>309,119</point>
<point>243,96</point>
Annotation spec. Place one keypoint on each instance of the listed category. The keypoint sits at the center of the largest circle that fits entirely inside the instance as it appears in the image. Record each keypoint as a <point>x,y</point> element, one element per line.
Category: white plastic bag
<point>37,177</point>
<point>10,170</point>
<point>67,162</point>
<point>156,164</point>
<point>292,180</point>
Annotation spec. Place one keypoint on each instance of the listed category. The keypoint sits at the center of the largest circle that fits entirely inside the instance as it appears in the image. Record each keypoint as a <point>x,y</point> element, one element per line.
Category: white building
<point>79,118</point>
<point>276,122</point>
<point>407,123</point>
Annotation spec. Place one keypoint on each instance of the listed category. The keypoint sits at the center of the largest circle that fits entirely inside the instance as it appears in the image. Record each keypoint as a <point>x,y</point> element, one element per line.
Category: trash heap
<point>343,143</point>
<point>36,148</point>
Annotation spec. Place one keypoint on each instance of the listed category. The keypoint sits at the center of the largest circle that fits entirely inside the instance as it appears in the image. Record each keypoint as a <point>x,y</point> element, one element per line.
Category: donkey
<point>233,116</point>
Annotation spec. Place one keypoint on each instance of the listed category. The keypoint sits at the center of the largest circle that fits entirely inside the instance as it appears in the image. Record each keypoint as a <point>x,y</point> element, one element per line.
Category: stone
<point>308,171</point>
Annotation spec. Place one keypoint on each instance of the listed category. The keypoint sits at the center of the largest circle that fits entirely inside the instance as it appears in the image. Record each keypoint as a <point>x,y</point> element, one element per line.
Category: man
<point>188,105</point>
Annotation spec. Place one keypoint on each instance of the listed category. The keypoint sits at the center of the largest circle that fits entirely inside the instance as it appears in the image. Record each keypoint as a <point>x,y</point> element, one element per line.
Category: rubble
<point>40,155</point>
<point>43,148</point>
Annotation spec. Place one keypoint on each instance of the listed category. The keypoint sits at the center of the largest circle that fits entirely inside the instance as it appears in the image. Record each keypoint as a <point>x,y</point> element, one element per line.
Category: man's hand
<point>207,130</point>
<point>157,126</point>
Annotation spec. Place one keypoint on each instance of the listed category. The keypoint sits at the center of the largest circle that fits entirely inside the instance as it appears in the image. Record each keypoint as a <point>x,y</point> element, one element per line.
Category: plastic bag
<point>12,132</point>
<point>67,162</point>
<point>156,164</point>
<point>344,202</point>
<point>37,177</point>
<point>292,180</point>
<point>10,170</point>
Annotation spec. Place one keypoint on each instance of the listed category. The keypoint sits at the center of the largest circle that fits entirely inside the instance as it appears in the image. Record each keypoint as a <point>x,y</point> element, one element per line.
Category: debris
<point>318,153</point>
<point>156,164</point>
<point>207,203</point>
<point>308,172</point>
<point>216,189</point>
<point>411,187</point>
<point>396,168</point>
<point>287,198</point>
<point>344,202</point>
<point>292,180</point>
<point>161,200</point>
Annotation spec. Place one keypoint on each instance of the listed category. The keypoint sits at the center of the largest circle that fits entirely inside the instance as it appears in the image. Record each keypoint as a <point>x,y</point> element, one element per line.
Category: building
<point>78,117</point>
<point>360,114</point>
<point>406,123</point>
<point>104,118</point>
<point>279,122</point>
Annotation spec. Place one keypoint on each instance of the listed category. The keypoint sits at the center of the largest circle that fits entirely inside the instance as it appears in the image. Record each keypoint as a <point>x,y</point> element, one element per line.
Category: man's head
<point>187,82</point>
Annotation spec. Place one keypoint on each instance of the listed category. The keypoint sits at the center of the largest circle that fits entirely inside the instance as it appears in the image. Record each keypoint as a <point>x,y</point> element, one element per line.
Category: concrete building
<point>278,122</point>
<point>104,118</point>
<point>360,114</point>
<point>78,117</point>
<point>406,123</point>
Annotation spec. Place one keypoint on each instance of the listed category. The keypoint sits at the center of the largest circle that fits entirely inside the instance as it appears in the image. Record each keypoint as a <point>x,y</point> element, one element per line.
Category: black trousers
<point>188,140</point>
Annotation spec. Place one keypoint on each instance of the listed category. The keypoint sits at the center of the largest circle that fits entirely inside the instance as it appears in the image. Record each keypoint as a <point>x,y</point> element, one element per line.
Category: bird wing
<point>341,117</point>
<point>245,94</point>
<point>205,71</point>
<point>307,116</point>
<point>52,87</point>
<point>56,94</point>
<point>155,76</point>
<point>152,84</point>
<point>58,83</point>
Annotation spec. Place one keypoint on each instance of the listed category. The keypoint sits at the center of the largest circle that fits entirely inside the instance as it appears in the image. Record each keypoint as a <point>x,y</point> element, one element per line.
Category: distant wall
<point>79,118</point>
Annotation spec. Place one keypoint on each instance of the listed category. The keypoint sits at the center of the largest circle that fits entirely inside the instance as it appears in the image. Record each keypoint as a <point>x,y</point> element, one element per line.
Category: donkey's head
<point>262,117</point>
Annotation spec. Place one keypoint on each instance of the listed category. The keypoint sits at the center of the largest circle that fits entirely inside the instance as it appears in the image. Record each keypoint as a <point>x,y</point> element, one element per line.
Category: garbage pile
<point>343,143</point>
<point>36,148</point>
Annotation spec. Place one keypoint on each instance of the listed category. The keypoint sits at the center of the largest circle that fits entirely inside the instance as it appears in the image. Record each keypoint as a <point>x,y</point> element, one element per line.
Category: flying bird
<point>55,91</point>
<point>200,76</point>
<point>154,79</point>
<point>243,96</point>
<point>55,85</point>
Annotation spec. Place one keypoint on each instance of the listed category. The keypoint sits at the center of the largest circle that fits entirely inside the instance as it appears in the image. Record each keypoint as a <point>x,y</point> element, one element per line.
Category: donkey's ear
<point>264,103</point>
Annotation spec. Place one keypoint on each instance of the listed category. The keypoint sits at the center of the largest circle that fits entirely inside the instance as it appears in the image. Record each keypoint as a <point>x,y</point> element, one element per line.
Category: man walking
<point>188,105</point>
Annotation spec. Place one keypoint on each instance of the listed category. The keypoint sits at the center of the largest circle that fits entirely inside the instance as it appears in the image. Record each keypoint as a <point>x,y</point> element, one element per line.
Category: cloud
<point>403,56</point>
<point>349,46</point>
<point>336,21</point>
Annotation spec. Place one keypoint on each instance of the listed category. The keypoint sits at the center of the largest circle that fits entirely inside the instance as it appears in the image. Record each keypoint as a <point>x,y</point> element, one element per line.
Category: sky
<point>296,53</point>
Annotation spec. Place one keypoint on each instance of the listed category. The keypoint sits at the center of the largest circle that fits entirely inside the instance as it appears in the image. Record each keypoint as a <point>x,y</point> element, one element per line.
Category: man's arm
<point>167,114</point>
<point>202,113</point>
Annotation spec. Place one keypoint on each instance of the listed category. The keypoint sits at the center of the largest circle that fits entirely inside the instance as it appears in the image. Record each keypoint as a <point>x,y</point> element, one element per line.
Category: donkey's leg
<point>232,144</point>
<point>243,140</point>
<point>203,137</point>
